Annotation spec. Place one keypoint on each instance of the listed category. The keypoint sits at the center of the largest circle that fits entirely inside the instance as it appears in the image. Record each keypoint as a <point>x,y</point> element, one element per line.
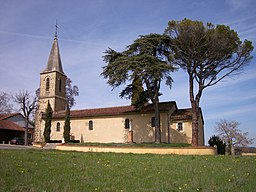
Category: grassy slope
<point>41,170</point>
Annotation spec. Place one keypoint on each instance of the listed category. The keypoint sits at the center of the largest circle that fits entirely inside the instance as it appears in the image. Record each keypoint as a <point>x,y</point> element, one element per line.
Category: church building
<point>119,124</point>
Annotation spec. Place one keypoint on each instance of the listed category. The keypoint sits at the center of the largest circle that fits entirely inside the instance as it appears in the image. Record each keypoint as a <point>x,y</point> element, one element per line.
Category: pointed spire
<point>54,60</point>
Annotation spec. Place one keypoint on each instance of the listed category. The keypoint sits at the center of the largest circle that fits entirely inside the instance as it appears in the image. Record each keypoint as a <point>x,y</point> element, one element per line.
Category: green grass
<point>49,170</point>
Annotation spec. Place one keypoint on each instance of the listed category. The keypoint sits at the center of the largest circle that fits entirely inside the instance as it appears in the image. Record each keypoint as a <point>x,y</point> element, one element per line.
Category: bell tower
<point>52,87</point>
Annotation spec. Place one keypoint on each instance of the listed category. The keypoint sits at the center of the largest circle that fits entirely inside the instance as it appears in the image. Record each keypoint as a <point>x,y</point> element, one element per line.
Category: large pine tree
<point>208,54</point>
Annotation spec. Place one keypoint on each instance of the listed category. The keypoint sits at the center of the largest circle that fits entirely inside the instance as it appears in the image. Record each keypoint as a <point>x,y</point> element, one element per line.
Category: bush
<point>215,140</point>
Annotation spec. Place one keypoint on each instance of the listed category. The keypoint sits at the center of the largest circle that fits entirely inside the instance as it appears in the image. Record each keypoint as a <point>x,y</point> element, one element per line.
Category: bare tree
<point>27,106</point>
<point>5,105</point>
<point>71,92</point>
<point>228,131</point>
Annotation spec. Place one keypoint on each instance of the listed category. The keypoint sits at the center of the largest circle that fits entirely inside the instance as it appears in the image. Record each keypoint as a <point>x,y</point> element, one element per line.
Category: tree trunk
<point>195,110</point>
<point>26,131</point>
<point>231,147</point>
<point>194,124</point>
<point>157,122</point>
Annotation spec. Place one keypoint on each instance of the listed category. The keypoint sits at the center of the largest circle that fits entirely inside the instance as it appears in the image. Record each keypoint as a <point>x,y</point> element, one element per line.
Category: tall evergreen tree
<point>136,93</point>
<point>148,59</point>
<point>48,123</point>
<point>66,133</point>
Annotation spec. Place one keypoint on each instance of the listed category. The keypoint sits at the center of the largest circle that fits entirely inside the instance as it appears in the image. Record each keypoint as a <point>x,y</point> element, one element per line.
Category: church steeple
<point>53,80</point>
<point>54,60</point>
<point>52,87</point>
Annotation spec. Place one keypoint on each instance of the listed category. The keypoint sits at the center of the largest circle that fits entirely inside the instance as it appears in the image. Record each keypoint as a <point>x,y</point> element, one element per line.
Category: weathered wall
<point>184,136</point>
<point>111,129</point>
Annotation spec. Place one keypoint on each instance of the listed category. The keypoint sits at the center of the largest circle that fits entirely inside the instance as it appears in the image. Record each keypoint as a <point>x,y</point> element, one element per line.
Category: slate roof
<point>54,60</point>
<point>112,111</point>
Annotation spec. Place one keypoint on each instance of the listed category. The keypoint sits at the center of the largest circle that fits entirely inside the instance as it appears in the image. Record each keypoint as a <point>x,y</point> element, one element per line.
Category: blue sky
<point>88,28</point>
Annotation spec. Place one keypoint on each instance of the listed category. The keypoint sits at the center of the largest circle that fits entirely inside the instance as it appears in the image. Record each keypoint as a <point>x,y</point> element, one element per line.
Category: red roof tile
<point>5,124</point>
<point>110,111</point>
<point>182,114</point>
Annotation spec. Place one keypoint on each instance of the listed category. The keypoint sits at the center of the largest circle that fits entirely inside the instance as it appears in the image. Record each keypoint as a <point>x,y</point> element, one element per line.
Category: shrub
<point>215,140</point>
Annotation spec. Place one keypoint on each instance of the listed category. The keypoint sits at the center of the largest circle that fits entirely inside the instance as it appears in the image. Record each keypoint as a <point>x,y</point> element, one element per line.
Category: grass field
<point>49,170</point>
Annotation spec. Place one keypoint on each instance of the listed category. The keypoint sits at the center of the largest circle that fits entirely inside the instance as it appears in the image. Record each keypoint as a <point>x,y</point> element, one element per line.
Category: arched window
<point>90,125</point>
<point>59,85</point>
<point>58,127</point>
<point>47,87</point>
<point>127,124</point>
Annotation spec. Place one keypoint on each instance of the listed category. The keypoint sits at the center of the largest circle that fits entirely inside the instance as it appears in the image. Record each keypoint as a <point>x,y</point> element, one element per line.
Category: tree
<point>228,131</point>
<point>48,123</point>
<point>5,105</point>
<point>216,141</point>
<point>71,92</point>
<point>147,59</point>
<point>136,93</point>
<point>27,106</point>
<point>208,54</point>
<point>66,133</point>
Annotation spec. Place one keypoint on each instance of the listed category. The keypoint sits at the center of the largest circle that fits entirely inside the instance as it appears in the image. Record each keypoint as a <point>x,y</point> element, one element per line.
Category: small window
<point>179,126</point>
<point>58,127</point>
<point>60,85</point>
<point>153,122</point>
<point>127,124</point>
<point>47,87</point>
<point>90,125</point>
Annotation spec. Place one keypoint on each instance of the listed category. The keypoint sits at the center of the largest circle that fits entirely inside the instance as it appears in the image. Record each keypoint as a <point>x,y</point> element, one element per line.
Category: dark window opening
<point>58,127</point>
<point>47,87</point>
<point>59,85</point>
<point>90,125</point>
<point>127,124</point>
<point>179,126</point>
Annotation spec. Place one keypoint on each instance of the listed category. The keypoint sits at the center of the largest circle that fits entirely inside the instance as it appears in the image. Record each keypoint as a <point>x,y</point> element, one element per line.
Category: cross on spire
<point>56,30</point>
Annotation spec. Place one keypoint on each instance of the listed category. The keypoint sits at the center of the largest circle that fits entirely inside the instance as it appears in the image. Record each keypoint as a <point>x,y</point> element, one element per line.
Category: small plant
<point>215,140</point>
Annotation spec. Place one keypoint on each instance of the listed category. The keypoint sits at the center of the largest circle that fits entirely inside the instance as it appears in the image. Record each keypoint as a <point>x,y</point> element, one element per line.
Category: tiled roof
<point>5,124</point>
<point>7,115</point>
<point>181,114</point>
<point>111,111</point>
